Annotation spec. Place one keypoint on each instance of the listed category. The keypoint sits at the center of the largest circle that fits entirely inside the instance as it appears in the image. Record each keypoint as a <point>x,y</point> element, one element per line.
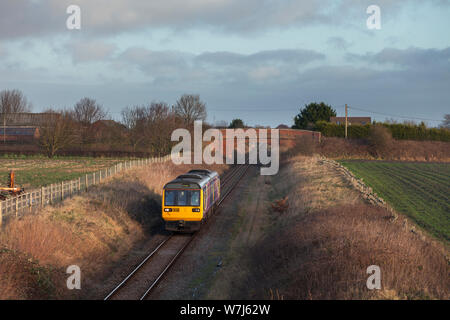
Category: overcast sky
<point>258,60</point>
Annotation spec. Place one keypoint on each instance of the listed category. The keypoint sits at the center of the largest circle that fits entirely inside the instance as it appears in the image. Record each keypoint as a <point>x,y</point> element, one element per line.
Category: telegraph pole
<point>4,128</point>
<point>346,120</point>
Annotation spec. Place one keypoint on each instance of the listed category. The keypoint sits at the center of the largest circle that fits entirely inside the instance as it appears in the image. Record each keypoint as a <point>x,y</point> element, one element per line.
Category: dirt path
<point>254,205</point>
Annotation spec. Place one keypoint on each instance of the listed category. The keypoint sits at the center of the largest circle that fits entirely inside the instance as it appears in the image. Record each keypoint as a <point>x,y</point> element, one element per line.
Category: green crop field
<point>32,172</point>
<point>418,190</point>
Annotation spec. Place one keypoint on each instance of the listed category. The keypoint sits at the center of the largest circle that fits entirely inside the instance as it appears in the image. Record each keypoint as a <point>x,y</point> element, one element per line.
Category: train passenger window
<point>182,197</point>
<point>195,198</point>
<point>169,198</point>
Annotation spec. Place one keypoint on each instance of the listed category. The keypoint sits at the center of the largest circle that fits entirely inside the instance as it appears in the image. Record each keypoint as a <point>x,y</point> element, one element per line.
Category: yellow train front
<point>190,199</point>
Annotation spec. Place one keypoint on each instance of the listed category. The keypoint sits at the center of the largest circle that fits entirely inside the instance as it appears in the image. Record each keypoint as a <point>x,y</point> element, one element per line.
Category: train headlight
<point>195,210</point>
<point>167,210</point>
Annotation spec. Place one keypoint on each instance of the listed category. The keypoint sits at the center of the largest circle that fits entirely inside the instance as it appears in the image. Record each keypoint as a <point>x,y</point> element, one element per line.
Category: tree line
<point>142,128</point>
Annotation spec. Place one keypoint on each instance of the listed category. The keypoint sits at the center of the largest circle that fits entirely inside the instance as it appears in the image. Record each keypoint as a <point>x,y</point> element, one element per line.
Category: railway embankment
<point>103,232</point>
<point>321,244</point>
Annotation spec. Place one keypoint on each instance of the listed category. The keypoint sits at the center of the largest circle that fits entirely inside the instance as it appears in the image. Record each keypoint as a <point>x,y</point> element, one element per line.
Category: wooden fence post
<point>62,190</point>
<point>86,177</point>
<point>42,196</point>
<point>17,206</point>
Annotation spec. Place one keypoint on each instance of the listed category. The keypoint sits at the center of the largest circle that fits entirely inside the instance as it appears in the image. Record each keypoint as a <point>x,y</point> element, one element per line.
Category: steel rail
<point>243,169</point>
<point>161,275</point>
<point>120,285</point>
<point>228,178</point>
<point>167,268</point>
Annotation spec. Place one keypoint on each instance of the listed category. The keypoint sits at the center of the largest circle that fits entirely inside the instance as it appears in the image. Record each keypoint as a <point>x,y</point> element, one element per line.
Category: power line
<point>393,115</point>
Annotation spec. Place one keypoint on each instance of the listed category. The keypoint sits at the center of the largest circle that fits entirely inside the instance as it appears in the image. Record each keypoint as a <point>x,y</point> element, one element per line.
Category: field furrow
<point>419,190</point>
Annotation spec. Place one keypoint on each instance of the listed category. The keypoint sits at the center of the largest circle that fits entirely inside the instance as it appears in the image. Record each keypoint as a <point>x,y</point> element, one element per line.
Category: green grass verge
<point>418,190</point>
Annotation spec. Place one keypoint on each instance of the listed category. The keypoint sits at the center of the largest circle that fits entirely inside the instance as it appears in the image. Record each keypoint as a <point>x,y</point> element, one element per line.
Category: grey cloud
<point>3,52</point>
<point>285,56</point>
<point>220,67</point>
<point>410,57</point>
<point>382,91</point>
<point>86,51</point>
<point>339,43</point>
<point>413,56</point>
<point>389,91</point>
<point>21,18</point>
<point>157,64</point>
<point>25,18</point>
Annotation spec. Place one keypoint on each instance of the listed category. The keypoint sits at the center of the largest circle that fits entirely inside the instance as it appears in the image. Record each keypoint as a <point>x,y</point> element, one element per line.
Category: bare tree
<point>446,122</point>
<point>161,122</point>
<point>190,108</point>
<point>13,101</point>
<point>87,111</point>
<point>135,118</point>
<point>57,134</point>
<point>221,124</point>
<point>151,126</point>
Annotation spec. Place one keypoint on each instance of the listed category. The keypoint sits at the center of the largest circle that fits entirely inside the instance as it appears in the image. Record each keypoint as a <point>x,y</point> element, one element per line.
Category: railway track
<point>148,274</point>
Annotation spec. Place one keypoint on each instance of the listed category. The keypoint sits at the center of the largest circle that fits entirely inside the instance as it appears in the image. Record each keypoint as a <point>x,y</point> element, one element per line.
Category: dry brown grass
<point>21,277</point>
<point>322,246</point>
<point>325,255</point>
<point>93,230</point>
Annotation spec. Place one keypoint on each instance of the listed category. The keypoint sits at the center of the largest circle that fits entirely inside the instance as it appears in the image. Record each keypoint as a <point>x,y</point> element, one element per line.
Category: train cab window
<point>182,197</point>
<point>169,197</point>
<point>195,198</point>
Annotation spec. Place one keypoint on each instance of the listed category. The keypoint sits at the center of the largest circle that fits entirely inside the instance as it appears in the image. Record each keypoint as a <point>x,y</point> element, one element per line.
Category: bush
<point>399,131</point>
<point>403,150</point>
<point>304,145</point>
<point>380,139</point>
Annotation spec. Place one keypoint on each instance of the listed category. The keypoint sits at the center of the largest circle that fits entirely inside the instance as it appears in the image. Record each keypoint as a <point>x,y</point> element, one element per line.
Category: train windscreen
<point>182,198</point>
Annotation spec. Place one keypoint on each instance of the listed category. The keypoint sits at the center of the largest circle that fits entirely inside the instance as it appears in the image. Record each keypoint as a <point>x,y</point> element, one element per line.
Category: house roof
<point>18,131</point>
<point>28,119</point>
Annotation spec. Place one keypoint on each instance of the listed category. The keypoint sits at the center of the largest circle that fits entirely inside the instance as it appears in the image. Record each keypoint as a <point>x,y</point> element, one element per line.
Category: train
<point>190,199</point>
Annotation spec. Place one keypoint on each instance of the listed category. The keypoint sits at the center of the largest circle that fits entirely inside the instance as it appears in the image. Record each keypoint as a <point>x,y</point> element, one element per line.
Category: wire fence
<point>26,203</point>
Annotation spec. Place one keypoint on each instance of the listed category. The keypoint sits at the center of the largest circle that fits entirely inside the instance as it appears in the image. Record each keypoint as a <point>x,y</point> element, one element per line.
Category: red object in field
<point>11,179</point>
<point>280,205</point>
<point>11,189</point>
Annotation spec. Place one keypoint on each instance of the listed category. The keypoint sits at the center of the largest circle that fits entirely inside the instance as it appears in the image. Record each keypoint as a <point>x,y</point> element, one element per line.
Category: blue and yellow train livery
<point>188,200</point>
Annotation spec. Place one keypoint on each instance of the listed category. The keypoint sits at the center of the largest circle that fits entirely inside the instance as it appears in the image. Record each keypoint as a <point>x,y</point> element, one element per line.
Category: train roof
<point>194,179</point>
